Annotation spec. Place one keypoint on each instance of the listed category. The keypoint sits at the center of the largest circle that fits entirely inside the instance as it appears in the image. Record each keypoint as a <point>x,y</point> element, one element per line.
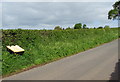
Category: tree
<point>106,27</point>
<point>100,27</point>
<point>84,26</point>
<point>78,26</point>
<point>57,28</point>
<point>68,28</point>
<point>115,12</point>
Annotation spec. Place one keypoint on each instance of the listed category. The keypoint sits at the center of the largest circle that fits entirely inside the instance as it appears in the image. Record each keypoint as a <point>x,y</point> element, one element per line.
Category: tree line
<point>112,14</point>
<point>80,26</point>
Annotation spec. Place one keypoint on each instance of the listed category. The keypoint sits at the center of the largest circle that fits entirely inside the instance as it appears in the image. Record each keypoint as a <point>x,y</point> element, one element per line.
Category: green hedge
<point>42,46</point>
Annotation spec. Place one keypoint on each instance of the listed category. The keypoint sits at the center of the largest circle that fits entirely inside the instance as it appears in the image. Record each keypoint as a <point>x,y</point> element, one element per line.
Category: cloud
<point>49,14</point>
<point>59,0</point>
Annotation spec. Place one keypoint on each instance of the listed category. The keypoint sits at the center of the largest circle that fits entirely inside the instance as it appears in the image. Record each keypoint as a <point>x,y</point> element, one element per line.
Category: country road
<point>94,64</point>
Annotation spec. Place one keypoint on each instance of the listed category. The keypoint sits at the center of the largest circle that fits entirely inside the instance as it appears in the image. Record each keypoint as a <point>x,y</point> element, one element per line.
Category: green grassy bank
<point>42,46</point>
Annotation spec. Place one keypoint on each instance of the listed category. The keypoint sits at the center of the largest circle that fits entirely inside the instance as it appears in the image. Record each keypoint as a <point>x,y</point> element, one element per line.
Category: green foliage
<point>100,27</point>
<point>43,46</point>
<point>68,28</point>
<point>78,26</point>
<point>84,26</point>
<point>106,27</point>
<point>115,12</point>
<point>57,28</point>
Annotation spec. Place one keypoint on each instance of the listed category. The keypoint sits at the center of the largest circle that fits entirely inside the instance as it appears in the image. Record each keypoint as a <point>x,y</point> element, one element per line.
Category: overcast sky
<point>40,15</point>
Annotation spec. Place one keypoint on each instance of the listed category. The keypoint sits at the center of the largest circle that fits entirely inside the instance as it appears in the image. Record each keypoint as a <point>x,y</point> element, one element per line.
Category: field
<point>43,46</point>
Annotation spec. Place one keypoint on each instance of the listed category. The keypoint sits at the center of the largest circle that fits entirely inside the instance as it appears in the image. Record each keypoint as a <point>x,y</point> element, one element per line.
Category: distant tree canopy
<point>57,28</point>
<point>100,27</point>
<point>81,26</point>
<point>115,12</point>
<point>68,28</point>
<point>107,27</point>
<point>84,26</point>
<point>78,26</point>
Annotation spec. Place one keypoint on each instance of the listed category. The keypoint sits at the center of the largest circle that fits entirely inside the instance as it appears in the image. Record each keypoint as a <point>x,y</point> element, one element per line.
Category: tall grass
<point>42,46</point>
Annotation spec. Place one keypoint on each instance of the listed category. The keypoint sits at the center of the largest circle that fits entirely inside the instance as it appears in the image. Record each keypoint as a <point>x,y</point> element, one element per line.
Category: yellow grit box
<point>15,48</point>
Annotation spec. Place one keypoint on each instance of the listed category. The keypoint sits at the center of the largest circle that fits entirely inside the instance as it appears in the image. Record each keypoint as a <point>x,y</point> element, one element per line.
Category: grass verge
<point>44,46</point>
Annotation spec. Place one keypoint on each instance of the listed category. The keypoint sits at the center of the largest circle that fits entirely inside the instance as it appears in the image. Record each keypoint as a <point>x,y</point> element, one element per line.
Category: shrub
<point>100,27</point>
<point>78,26</point>
<point>57,28</point>
<point>68,28</point>
<point>107,27</point>
<point>84,26</point>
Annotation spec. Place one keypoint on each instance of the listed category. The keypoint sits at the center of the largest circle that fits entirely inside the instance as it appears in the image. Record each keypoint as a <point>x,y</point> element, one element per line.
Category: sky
<point>46,15</point>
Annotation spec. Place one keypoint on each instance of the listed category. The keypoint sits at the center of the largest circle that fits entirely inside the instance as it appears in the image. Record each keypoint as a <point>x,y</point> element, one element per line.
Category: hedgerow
<point>43,46</point>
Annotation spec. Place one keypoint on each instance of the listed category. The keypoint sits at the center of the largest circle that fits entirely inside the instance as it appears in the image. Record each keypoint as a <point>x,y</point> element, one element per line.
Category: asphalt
<point>95,64</point>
